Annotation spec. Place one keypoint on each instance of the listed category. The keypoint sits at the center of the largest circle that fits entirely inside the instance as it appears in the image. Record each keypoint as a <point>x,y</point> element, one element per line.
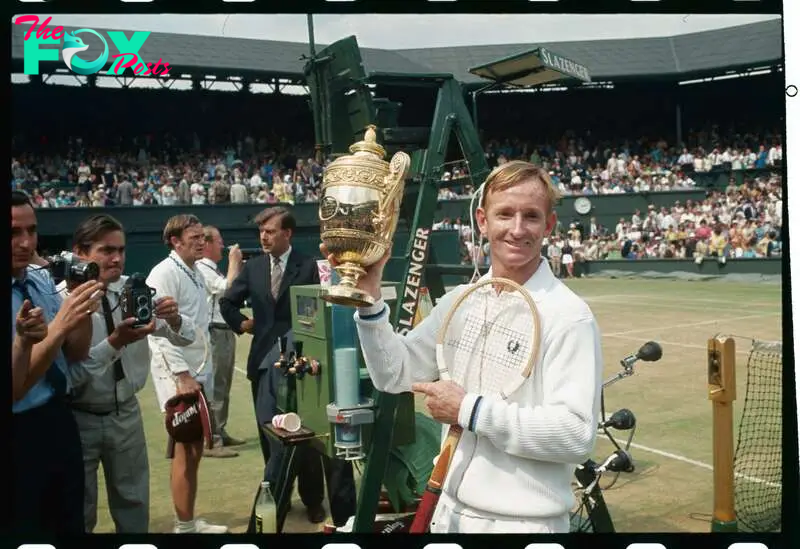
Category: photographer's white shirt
<point>93,379</point>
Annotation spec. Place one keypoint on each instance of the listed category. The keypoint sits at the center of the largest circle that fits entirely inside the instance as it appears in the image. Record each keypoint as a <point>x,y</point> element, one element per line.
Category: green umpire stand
<point>308,387</point>
<point>308,393</point>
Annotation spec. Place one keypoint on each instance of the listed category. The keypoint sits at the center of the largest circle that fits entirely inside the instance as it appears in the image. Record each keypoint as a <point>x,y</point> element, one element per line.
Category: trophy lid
<point>368,145</point>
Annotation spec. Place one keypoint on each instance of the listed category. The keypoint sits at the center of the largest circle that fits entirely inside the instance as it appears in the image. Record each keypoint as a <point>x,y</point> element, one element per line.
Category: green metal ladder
<point>343,106</point>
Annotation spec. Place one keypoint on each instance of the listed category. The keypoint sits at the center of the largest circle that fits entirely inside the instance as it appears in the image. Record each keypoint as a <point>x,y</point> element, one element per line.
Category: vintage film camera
<point>67,267</point>
<point>136,300</point>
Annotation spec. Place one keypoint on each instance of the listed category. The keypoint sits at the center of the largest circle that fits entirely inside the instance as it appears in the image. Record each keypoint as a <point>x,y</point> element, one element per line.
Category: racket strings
<point>489,341</point>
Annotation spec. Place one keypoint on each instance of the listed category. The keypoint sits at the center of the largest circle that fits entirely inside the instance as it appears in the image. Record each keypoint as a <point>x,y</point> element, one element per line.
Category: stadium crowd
<point>90,176</point>
<point>165,171</point>
<point>578,168</point>
<point>743,221</point>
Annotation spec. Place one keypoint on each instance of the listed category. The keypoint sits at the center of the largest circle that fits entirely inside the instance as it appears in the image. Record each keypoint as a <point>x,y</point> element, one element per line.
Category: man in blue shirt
<point>45,445</point>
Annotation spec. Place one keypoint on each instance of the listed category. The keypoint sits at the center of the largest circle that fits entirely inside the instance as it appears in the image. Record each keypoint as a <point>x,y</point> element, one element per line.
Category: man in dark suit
<point>265,282</point>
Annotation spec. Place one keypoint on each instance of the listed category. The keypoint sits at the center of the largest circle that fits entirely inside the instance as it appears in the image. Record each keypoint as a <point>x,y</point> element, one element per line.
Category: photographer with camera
<point>184,372</point>
<point>105,385</point>
<point>47,465</point>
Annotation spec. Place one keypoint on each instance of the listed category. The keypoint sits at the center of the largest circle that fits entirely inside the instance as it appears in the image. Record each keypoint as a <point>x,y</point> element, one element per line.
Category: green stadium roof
<point>673,58</point>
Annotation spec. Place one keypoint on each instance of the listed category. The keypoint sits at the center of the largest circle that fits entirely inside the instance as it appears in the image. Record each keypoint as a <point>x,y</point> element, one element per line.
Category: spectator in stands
<point>183,192</point>
<point>124,193</point>
<point>239,193</point>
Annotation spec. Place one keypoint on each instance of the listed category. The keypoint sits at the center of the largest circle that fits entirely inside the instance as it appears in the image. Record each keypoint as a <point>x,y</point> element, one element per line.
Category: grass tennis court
<point>671,489</point>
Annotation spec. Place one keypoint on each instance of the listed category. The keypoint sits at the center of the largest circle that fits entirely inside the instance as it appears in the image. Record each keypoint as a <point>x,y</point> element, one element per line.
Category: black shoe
<point>316,513</point>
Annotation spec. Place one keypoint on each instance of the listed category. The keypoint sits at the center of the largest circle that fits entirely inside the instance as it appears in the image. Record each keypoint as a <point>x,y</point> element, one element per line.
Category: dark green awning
<point>532,68</point>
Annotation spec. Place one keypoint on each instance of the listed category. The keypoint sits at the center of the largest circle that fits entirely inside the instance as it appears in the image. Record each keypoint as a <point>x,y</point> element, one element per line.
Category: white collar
<point>117,286</point>
<point>209,262</point>
<point>282,259</point>
<point>540,281</point>
<point>173,254</point>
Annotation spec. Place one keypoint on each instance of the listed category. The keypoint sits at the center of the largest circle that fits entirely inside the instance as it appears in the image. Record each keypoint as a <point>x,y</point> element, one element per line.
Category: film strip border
<point>342,541</point>
<point>400,6</point>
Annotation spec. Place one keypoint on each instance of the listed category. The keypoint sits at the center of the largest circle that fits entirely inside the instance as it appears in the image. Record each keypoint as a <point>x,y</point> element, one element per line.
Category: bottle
<point>266,511</point>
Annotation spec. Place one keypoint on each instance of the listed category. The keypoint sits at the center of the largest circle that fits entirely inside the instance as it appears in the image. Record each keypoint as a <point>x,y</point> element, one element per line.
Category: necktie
<point>119,373</point>
<point>276,277</point>
<point>54,376</point>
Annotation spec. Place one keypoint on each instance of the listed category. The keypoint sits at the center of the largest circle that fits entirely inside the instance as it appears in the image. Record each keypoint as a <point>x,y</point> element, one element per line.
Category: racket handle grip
<point>424,514</point>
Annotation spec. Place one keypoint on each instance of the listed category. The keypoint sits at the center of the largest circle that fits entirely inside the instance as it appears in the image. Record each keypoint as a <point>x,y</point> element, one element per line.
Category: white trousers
<point>452,517</point>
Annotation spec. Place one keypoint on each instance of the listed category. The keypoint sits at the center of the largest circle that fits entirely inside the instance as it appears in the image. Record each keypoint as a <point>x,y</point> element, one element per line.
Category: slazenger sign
<point>410,297</point>
<point>73,45</point>
<point>564,65</point>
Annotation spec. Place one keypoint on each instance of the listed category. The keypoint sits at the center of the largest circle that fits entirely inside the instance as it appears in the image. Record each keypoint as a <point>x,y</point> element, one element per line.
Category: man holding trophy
<point>509,467</point>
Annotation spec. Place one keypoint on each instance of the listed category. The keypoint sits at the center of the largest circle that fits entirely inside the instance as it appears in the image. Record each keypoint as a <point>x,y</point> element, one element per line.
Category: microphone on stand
<point>649,352</point>
<point>620,462</point>
<point>622,420</point>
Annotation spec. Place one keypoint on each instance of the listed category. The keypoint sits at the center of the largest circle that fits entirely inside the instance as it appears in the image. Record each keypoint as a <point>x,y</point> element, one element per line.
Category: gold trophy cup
<point>358,213</point>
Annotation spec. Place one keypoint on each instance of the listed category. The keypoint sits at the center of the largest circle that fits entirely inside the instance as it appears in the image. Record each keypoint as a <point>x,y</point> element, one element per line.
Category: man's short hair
<point>92,229</point>
<point>287,218</point>
<point>19,198</point>
<point>176,225</point>
<point>513,173</point>
<point>209,231</point>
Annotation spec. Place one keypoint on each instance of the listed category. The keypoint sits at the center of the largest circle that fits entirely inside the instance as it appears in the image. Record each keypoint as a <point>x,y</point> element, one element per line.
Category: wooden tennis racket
<point>488,344</point>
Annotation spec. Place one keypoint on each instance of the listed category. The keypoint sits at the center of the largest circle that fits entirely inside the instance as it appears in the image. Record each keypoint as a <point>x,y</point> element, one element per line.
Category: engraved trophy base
<point>349,297</point>
<point>345,292</point>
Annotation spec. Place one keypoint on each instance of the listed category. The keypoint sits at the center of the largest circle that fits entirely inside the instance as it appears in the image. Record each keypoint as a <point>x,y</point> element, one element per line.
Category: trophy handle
<point>395,181</point>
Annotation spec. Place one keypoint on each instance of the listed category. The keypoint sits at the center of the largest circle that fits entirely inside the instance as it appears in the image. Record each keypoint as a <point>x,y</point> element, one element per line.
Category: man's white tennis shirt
<point>173,277</point>
<point>519,459</point>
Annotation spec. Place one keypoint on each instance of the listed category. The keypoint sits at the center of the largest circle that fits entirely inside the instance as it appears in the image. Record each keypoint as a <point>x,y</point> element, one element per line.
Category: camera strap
<point>119,373</point>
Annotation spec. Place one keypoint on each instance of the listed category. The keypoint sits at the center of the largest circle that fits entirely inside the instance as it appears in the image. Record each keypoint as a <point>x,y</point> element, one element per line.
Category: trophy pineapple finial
<point>369,144</point>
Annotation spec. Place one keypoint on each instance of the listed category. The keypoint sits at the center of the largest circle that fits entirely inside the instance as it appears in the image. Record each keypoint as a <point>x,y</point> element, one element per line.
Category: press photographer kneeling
<point>47,468</point>
<point>105,384</point>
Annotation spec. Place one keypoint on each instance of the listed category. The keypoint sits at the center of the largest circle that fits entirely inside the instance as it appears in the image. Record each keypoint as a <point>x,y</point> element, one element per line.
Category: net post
<point>722,394</point>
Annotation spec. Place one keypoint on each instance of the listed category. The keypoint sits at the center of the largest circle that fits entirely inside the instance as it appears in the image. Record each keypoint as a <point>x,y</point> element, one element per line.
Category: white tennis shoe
<point>202,526</point>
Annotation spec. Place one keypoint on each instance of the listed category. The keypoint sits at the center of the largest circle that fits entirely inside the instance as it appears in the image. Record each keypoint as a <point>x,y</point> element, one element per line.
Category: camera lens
<point>92,271</point>
<point>143,313</point>
<point>83,272</point>
<point>142,301</point>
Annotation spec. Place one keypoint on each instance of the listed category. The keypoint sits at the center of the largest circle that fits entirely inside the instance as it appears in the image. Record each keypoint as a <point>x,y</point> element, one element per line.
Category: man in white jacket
<point>512,469</point>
